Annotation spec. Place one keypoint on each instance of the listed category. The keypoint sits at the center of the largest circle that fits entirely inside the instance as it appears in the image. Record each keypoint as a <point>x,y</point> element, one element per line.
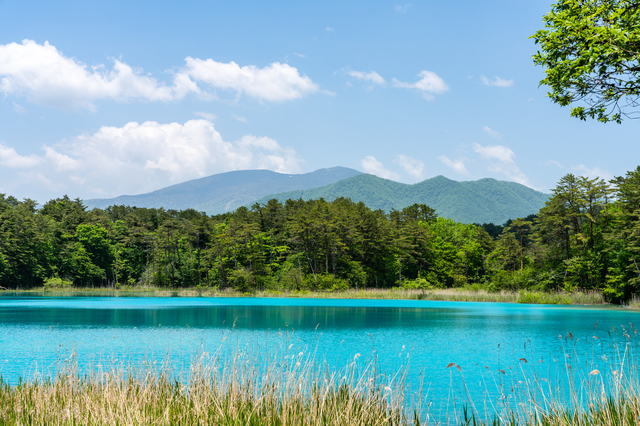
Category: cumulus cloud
<point>60,162</point>
<point>43,75</point>
<point>370,76</point>
<point>488,130</point>
<point>374,167</point>
<point>495,152</point>
<point>429,84</point>
<point>412,166</point>
<point>275,82</point>
<point>501,160</point>
<point>143,157</point>
<point>11,159</point>
<point>455,165</point>
<point>497,81</point>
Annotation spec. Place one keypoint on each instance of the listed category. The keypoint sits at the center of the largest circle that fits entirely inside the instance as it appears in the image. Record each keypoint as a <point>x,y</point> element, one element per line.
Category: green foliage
<point>242,280</point>
<point>484,200</point>
<point>56,283</point>
<point>589,49</point>
<point>544,298</point>
<point>418,284</point>
<point>586,237</point>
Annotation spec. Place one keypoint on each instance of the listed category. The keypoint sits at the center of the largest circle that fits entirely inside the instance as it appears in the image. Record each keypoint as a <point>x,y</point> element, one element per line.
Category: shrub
<point>56,283</point>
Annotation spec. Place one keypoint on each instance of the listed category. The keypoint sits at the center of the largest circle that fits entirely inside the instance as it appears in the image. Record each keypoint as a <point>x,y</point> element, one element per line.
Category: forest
<point>587,236</point>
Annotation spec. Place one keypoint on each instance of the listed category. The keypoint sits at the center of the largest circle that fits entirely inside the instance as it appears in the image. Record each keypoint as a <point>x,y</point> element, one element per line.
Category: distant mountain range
<point>484,200</point>
<point>225,192</point>
<point>480,201</point>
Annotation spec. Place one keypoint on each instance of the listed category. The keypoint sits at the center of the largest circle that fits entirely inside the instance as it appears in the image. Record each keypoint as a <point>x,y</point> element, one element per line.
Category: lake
<point>484,339</point>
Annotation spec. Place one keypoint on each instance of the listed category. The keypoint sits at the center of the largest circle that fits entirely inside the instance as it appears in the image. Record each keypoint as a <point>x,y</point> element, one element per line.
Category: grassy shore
<point>247,388</point>
<point>216,390</point>
<point>590,297</point>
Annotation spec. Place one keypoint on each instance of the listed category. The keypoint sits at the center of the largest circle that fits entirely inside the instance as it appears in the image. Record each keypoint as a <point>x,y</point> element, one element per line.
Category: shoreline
<point>577,298</point>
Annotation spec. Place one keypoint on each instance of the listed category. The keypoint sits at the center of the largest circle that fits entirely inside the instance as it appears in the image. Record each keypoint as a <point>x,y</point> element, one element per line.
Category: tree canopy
<point>587,236</point>
<point>590,50</point>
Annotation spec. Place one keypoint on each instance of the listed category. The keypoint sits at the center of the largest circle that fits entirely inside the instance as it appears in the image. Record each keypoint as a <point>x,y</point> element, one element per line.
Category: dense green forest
<point>587,236</point>
<point>484,200</point>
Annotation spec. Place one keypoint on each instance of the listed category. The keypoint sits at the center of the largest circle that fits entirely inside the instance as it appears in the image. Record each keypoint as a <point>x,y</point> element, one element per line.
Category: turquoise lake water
<point>36,332</point>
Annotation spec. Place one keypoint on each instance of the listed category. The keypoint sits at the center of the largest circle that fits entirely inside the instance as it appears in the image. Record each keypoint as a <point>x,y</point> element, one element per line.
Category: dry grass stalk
<point>240,390</point>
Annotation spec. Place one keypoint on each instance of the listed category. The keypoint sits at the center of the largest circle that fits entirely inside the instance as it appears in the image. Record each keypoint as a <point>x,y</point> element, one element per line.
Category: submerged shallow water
<point>484,339</point>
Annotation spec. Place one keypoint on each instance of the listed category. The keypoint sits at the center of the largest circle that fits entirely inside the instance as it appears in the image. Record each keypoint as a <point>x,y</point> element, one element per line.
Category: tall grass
<point>634,302</point>
<point>578,297</point>
<point>597,382</point>
<point>243,389</point>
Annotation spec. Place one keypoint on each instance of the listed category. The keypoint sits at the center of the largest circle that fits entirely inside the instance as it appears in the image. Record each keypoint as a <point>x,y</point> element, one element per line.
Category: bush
<point>327,282</point>
<point>418,284</point>
<point>56,283</point>
<point>242,280</point>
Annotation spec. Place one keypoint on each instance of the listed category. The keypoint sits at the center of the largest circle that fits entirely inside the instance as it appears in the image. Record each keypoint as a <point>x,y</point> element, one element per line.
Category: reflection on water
<point>482,338</point>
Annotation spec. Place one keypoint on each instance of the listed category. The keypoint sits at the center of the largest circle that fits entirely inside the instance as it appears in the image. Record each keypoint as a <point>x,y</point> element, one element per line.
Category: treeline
<point>587,236</point>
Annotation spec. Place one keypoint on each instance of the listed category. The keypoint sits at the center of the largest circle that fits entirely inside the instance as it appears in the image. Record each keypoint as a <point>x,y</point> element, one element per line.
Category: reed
<point>253,386</point>
<point>634,302</point>
<point>581,297</point>
<point>243,389</point>
<point>578,297</point>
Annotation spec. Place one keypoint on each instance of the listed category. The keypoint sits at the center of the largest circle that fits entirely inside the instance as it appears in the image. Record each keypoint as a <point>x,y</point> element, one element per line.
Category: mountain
<point>480,201</point>
<point>227,191</point>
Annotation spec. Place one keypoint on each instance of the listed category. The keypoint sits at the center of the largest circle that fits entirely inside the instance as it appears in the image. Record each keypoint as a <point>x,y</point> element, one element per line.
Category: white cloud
<point>240,118</point>
<point>495,152</point>
<point>553,163</point>
<point>18,108</point>
<point>371,76</point>
<point>455,165</point>
<point>60,161</point>
<point>143,157</point>
<point>275,82</point>
<point>429,84</point>
<point>207,115</point>
<point>38,179</point>
<point>330,29</point>
<point>11,159</point>
<point>497,81</point>
<point>501,161</point>
<point>488,130</point>
<point>592,173</point>
<point>43,75</point>
<point>402,8</point>
<point>374,167</point>
<point>412,166</point>
<point>259,142</point>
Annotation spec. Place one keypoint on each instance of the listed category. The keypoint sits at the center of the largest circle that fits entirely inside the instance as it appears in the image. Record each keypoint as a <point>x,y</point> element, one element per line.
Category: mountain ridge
<point>227,191</point>
<point>485,200</point>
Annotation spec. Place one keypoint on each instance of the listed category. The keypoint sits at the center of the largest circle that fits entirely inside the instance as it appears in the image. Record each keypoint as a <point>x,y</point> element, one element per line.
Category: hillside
<point>484,200</point>
<point>227,191</point>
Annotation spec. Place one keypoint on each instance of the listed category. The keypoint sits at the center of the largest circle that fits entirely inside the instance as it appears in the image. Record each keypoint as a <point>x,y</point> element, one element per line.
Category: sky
<point>100,99</point>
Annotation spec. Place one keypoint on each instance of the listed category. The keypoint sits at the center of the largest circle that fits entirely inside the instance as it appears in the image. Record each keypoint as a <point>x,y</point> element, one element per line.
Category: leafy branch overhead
<point>590,50</point>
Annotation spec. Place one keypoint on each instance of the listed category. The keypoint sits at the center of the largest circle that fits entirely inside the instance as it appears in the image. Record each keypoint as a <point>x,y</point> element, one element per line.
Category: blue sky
<point>101,99</point>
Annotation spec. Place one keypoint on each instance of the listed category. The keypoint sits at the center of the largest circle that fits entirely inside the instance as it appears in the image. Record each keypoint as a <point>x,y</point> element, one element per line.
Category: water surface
<point>36,332</point>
